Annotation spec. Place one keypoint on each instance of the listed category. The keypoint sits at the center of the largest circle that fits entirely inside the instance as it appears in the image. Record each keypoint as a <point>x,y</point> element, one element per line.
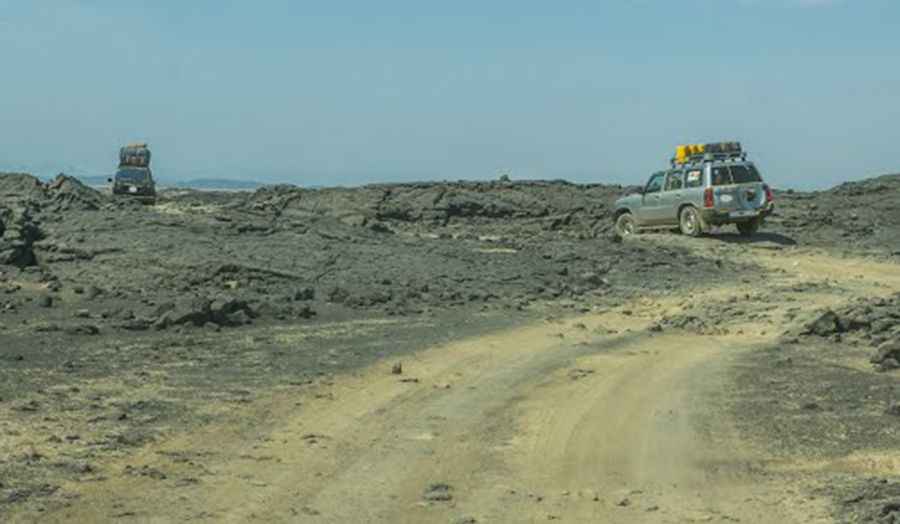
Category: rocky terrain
<point>854,217</point>
<point>873,323</point>
<point>123,325</point>
<point>83,262</point>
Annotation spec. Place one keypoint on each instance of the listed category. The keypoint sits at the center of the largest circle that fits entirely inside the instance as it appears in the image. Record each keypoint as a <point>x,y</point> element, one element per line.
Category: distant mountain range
<point>92,180</point>
<point>213,183</point>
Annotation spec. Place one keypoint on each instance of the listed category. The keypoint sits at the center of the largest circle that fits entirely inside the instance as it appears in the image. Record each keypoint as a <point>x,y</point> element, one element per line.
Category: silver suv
<point>712,187</point>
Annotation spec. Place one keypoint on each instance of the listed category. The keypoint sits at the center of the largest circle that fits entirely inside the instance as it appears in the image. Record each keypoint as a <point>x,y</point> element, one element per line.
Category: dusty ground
<point>548,372</point>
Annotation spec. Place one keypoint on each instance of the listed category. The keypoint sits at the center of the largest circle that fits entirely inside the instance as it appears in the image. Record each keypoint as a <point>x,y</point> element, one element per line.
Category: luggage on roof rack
<point>134,155</point>
<point>693,152</point>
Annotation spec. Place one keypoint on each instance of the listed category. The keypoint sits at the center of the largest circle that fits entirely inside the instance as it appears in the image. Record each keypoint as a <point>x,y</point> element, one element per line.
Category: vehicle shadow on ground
<point>759,238</point>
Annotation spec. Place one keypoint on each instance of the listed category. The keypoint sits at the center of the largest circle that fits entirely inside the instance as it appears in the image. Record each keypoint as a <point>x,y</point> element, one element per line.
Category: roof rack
<point>692,153</point>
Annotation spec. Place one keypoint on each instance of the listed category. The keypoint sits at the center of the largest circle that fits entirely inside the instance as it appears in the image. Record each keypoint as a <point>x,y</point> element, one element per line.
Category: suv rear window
<point>726,175</point>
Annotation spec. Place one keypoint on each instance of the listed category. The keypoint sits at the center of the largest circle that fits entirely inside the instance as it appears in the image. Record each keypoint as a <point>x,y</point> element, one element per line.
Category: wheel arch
<point>621,211</point>
<point>684,205</point>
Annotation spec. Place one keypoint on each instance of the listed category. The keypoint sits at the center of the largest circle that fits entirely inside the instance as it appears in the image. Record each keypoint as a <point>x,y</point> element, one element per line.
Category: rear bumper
<point>717,217</point>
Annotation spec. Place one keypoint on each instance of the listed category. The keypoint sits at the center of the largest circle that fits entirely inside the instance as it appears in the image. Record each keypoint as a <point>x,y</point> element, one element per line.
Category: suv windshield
<point>134,176</point>
<point>726,175</point>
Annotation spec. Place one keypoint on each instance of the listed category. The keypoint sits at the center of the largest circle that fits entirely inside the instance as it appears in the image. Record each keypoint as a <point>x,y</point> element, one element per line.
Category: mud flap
<point>704,227</point>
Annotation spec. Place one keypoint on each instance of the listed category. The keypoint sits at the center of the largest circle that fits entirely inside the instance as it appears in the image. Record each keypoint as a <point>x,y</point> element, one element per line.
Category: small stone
<point>438,492</point>
<point>85,329</point>
<point>306,312</point>
<point>397,369</point>
<point>305,294</point>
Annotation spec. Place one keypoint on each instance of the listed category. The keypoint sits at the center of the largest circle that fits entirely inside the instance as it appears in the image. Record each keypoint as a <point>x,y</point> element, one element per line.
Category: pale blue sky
<point>346,92</point>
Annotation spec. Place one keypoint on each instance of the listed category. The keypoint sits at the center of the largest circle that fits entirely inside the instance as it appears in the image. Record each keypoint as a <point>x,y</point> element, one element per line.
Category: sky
<point>350,92</point>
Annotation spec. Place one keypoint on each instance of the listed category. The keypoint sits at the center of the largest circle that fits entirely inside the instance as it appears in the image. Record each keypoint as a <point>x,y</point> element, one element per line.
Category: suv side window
<point>694,178</point>
<point>675,180</point>
<point>655,184</point>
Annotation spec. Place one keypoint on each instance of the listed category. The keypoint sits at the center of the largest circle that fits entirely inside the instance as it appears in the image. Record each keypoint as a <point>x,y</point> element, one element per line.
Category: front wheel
<point>625,225</point>
<point>750,228</point>
<point>689,222</point>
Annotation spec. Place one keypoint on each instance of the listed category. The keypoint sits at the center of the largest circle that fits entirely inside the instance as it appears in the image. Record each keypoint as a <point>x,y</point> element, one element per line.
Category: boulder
<point>163,321</point>
<point>888,364</point>
<point>593,280</point>
<point>888,350</point>
<point>236,318</point>
<point>823,325</point>
<point>200,311</point>
<point>18,233</point>
<point>306,312</point>
<point>194,311</point>
<point>304,294</point>
<point>224,310</point>
<point>69,193</point>
<point>136,324</point>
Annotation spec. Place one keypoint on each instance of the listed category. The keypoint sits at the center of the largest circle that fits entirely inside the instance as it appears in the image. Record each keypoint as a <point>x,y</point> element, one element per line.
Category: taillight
<point>708,197</point>
<point>769,196</point>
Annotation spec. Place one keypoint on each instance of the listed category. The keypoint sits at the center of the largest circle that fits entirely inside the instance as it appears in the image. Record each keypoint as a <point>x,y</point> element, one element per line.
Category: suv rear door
<point>738,189</point>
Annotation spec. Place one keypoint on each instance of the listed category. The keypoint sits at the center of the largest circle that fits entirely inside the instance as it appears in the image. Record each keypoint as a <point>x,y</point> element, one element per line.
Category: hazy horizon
<point>351,93</point>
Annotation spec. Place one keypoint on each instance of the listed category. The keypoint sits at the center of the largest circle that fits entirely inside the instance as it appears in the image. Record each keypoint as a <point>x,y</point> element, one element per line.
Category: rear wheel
<point>625,225</point>
<point>689,222</point>
<point>749,228</point>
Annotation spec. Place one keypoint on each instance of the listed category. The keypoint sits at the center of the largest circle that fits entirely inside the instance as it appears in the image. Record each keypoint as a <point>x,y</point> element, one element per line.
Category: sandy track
<point>561,420</point>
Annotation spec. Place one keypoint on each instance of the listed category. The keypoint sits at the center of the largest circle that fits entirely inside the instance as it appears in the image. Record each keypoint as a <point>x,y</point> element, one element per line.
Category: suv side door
<point>672,197</point>
<point>648,214</point>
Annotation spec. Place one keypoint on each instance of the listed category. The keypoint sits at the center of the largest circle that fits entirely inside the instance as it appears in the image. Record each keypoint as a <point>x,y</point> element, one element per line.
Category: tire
<point>748,229</point>
<point>625,225</point>
<point>689,222</point>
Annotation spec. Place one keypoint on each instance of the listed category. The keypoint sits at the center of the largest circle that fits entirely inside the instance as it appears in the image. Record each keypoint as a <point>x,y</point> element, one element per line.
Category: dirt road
<point>599,418</point>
